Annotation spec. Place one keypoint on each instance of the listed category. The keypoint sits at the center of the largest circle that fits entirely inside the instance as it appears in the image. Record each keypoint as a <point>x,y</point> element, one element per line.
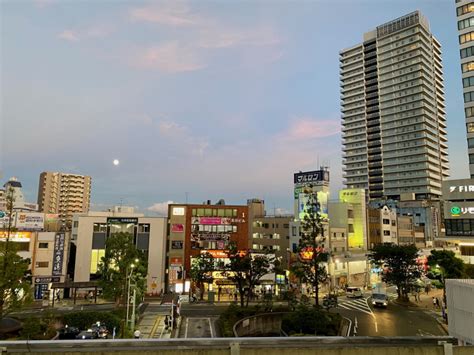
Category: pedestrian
<point>427,289</point>
<point>235,295</point>
<point>437,302</point>
<point>434,302</point>
<point>136,334</point>
<point>58,296</point>
<point>219,291</point>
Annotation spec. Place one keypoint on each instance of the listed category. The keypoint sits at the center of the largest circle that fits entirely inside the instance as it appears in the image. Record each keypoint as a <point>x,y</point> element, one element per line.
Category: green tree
<point>201,270</point>
<point>15,291</point>
<point>246,269</point>
<point>311,256</point>
<point>448,264</point>
<point>469,271</point>
<point>400,266</point>
<point>122,261</point>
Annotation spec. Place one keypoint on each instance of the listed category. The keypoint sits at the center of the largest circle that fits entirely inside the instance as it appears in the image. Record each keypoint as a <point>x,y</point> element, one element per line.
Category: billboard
<point>461,189</point>
<point>317,177</point>
<point>15,236</point>
<point>303,199</point>
<point>33,221</point>
<point>177,228</point>
<point>58,253</point>
<point>459,210</point>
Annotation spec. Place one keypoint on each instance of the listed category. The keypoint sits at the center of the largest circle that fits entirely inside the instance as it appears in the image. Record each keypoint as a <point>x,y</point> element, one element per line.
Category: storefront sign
<point>58,254</point>
<point>177,228</point>
<point>209,237</point>
<point>176,261</point>
<point>29,221</point>
<point>457,211</point>
<point>216,220</point>
<point>122,220</point>
<point>15,236</point>
<point>46,279</point>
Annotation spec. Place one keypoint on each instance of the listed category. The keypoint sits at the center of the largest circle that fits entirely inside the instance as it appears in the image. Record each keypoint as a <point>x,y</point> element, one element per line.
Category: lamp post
<point>132,266</point>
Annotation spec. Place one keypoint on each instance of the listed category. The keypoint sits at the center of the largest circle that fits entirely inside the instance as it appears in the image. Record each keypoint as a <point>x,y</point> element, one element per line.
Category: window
<point>470,128</point>
<point>228,213</point>
<point>40,264</point>
<point>386,221</point>
<point>471,158</point>
<point>469,22</point>
<point>221,212</point>
<point>467,67</point>
<point>386,233</point>
<point>393,223</point>
<point>285,225</point>
<point>467,37</point>
<point>76,224</point>
<point>100,227</point>
<point>465,9</point>
<point>470,142</point>
<point>43,245</point>
<point>466,82</point>
<point>143,228</point>
<point>467,52</point>
<point>468,96</point>
<point>96,257</point>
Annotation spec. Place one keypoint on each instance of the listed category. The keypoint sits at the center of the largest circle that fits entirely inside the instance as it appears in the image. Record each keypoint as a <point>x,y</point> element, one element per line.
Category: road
<point>395,320</point>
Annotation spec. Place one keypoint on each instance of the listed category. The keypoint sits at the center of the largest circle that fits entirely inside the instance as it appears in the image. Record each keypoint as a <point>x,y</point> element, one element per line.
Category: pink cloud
<point>174,13</point>
<point>170,57</point>
<point>309,128</point>
<point>69,35</point>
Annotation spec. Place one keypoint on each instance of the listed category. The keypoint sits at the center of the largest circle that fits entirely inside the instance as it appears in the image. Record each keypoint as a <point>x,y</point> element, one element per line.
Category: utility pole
<point>133,309</point>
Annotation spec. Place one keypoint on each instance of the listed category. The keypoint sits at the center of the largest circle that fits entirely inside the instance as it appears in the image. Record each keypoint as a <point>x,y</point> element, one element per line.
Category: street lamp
<point>132,267</point>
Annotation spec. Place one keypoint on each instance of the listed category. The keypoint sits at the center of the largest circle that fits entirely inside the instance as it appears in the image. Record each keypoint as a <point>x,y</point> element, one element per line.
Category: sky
<point>198,100</point>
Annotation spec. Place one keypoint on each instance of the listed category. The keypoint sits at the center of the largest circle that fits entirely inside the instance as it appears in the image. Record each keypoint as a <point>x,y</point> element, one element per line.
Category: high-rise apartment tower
<point>64,194</point>
<point>465,14</point>
<point>393,111</point>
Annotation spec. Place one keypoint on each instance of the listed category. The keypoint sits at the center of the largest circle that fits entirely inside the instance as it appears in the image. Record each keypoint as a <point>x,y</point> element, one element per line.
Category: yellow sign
<point>16,236</point>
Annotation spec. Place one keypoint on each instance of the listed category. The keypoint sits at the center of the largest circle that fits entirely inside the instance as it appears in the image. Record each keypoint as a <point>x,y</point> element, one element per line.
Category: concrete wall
<point>262,324</point>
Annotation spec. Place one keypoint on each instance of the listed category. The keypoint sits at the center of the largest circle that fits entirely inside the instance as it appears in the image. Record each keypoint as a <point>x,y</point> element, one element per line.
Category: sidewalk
<point>425,303</point>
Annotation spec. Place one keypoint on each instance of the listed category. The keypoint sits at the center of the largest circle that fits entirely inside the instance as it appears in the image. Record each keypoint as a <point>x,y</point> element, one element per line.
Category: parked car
<point>379,300</point>
<point>87,334</point>
<point>354,292</point>
<point>68,333</point>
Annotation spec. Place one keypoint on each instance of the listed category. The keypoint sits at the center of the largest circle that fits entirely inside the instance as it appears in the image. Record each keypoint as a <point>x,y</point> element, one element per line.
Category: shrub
<point>37,329</point>
<point>84,320</point>
<point>312,321</point>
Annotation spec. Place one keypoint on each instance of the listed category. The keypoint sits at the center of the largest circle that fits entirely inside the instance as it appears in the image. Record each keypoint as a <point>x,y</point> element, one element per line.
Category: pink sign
<point>177,228</point>
<point>210,220</point>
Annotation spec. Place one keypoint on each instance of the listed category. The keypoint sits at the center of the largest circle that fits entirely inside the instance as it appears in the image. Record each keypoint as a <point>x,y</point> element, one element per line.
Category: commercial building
<point>19,203</point>
<point>64,194</point>
<point>465,17</point>
<point>91,230</point>
<point>458,221</point>
<point>382,226</point>
<point>196,229</point>
<point>393,111</point>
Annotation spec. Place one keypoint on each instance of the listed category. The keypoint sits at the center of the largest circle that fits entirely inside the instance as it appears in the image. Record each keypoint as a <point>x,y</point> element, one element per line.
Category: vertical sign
<point>58,254</point>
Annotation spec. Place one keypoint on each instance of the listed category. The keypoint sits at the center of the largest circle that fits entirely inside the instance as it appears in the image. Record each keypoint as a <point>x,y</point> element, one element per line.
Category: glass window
<point>228,213</point>
<point>143,228</point>
<point>467,52</point>
<point>386,221</point>
<point>200,212</point>
<point>470,142</point>
<point>468,96</point>
<point>193,212</point>
<point>43,245</point>
<point>465,9</point>
<point>386,232</point>
<point>214,212</point>
<point>234,212</point>
<point>466,82</point>
<point>208,212</point>
<point>469,111</point>
<point>96,256</point>
<point>221,212</point>
<point>469,22</point>
<point>234,229</point>
<point>467,67</point>
<point>42,264</point>
<point>467,37</point>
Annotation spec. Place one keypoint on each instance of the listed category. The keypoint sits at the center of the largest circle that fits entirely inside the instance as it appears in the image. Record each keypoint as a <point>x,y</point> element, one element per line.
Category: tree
<point>246,270</point>
<point>201,270</point>
<point>15,291</point>
<point>400,266</point>
<point>311,255</point>
<point>122,260</point>
<point>448,264</point>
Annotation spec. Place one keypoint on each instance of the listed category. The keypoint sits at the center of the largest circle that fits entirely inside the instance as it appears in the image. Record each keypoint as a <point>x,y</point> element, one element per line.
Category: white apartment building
<point>465,17</point>
<point>393,111</point>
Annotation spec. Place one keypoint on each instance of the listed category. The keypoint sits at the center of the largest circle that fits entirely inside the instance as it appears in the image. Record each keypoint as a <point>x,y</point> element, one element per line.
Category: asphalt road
<point>395,320</point>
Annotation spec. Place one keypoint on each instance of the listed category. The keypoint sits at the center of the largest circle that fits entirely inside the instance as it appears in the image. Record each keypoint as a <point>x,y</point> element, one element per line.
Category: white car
<point>354,292</point>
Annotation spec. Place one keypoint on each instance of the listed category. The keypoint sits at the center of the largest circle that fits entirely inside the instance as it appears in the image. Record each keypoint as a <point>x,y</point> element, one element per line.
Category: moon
<point>116,162</point>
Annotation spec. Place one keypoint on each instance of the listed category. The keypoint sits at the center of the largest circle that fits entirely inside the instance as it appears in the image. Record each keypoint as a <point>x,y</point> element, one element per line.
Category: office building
<point>393,111</point>
<point>207,228</point>
<point>465,20</point>
<point>90,232</point>
<point>64,194</point>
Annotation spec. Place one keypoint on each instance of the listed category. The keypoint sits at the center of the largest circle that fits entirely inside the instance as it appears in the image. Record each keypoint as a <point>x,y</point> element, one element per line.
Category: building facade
<point>459,216</point>
<point>91,230</point>
<point>382,223</point>
<point>393,111</point>
<point>465,22</point>
<point>196,229</point>
<point>64,194</point>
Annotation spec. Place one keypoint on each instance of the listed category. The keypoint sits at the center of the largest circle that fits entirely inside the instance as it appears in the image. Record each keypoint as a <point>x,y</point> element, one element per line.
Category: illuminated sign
<point>316,177</point>
<point>461,188</point>
<point>178,211</point>
<point>457,211</point>
<point>176,244</point>
<point>58,255</point>
<point>122,220</point>
<point>209,237</point>
<point>216,220</point>
<point>16,236</point>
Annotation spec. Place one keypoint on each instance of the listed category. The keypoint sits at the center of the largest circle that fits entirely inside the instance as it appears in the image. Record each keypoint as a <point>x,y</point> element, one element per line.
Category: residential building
<point>269,233</point>
<point>393,111</point>
<point>465,17</point>
<point>19,203</point>
<point>458,221</point>
<point>64,194</point>
<point>90,232</point>
<point>406,233</point>
<point>195,229</point>
<point>382,223</point>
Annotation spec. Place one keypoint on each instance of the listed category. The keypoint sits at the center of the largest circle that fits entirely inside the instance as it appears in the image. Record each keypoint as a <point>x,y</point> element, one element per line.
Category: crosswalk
<point>359,304</point>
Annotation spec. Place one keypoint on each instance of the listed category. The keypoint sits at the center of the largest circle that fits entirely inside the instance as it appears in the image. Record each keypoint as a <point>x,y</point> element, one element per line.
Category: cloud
<point>305,128</point>
<point>170,57</point>
<point>222,37</point>
<point>43,3</point>
<point>160,207</point>
<point>170,128</point>
<point>69,35</point>
<point>172,13</point>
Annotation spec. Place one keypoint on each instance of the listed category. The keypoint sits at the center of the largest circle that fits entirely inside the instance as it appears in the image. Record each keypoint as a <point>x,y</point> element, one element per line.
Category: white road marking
<point>186,330</point>
<point>210,327</point>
